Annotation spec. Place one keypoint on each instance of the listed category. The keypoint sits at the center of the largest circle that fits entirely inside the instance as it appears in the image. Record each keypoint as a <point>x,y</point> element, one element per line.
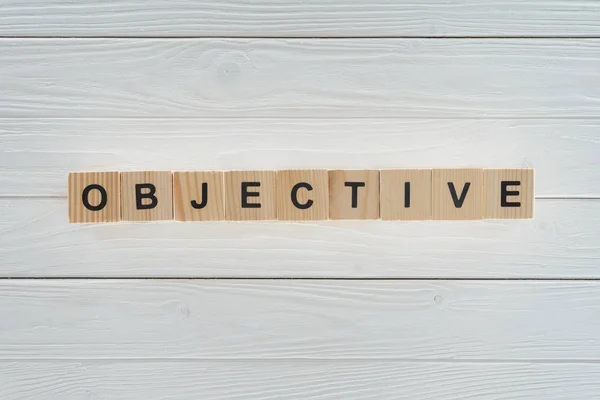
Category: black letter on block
<point>354,186</point>
<point>204,197</point>
<point>297,186</point>
<point>86,194</point>
<point>406,194</point>
<point>505,193</point>
<point>459,202</point>
<point>139,196</point>
<point>246,194</point>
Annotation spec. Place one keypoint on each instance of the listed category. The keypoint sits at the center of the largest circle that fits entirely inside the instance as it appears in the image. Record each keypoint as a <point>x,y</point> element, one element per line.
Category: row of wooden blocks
<point>300,195</point>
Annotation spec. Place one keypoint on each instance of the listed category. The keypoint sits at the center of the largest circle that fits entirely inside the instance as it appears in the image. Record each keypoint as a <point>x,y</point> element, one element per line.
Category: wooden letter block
<point>250,195</point>
<point>457,194</point>
<point>406,194</point>
<point>147,196</point>
<point>302,195</point>
<point>354,194</point>
<point>94,197</point>
<point>508,193</point>
<point>198,196</point>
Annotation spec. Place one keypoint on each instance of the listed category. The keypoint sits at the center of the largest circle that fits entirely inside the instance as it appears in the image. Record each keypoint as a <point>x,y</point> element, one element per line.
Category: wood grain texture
<point>561,242</point>
<point>151,202</point>
<point>302,195</point>
<point>406,194</point>
<point>302,78</point>
<point>260,197</point>
<point>272,319</point>
<point>457,194</point>
<point>306,379</point>
<point>517,196</point>
<point>307,18</point>
<point>349,201</point>
<point>37,154</point>
<point>101,191</point>
<point>198,196</point>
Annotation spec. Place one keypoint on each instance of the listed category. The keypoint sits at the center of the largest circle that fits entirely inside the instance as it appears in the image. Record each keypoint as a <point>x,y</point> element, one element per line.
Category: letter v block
<point>147,196</point>
<point>94,197</point>
<point>198,196</point>
<point>458,194</point>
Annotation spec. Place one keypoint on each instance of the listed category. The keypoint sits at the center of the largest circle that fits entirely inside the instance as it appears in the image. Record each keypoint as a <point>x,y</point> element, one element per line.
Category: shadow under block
<point>198,196</point>
<point>509,193</point>
<point>406,194</point>
<point>354,194</point>
<point>458,194</point>
<point>250,195</point>
<point>94,197</point>
<point>147,196</point>
<point>302,195</point>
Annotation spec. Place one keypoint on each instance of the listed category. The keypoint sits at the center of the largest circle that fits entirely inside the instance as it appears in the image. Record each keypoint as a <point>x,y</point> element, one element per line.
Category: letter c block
<point>147,196</point>
<point>303,195</point>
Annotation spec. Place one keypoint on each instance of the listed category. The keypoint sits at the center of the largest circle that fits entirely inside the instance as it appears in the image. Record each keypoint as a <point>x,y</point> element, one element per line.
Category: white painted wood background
<point>324,310</point>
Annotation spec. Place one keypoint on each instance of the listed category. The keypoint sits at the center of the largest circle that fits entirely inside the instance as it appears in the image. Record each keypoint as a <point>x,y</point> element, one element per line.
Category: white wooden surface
<point>37,154</point>
<point>429,78</point>
<point>299,18</point>
<point>298,319</point>
<point>125,84</point>
<point>306,379</point>
<point>561,242</point>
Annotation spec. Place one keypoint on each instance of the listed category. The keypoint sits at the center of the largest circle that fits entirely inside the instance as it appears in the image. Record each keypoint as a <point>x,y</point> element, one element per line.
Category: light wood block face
<point>406,194</point>
<point>198,196</point>
<point>354,194</point>
<point>147,196</point>
<point>302,195</point>
<point>250,195</point>
<point>94,197</point>
<point>457,194</point>
<point>509,193</point>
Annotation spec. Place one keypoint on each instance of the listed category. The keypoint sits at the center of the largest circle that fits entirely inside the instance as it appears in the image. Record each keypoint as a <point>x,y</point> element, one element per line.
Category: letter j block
<point>147,196</point>
<point>94,197</point>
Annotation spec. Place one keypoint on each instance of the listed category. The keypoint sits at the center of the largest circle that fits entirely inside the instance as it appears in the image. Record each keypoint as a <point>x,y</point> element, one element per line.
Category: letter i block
<point>354,194</point>
<point>94,197</point>
<point>509,193</point>
<point>147,196</point>
<point>250,195</point>
<point>302,195</point>
<point>198,196</point>
<point>406,194</point>
<point>457,194</point>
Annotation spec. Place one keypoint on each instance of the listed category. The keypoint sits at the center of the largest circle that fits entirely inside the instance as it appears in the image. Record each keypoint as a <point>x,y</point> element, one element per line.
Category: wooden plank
<point>274,319</point>
<point>561,242</point>
<point>308,18</point>
<point>37,154</point>
<point>190,380</point>
<point>301,78</point>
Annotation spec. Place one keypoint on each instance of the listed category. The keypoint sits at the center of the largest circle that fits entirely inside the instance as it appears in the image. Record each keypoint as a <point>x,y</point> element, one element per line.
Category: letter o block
<point>302,195</point>
<point>147,196</point>
<point>94,197</point>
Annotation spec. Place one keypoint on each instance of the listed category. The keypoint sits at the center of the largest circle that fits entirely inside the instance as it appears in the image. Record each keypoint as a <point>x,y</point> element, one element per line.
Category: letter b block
<point>302,195</point>
<point>147,196</point>
<point>94,197</point>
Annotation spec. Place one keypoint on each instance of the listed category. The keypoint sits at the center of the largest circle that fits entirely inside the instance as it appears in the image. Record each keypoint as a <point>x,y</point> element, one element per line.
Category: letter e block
<point>458,194</point>
<point>354,194</point>
<point>147,196</point>
<point>250,195</point>
<point>303,195</point>
<point>509,193</point>
<point>198,196</point>
<point>406,194</point>
<point>94,197</point>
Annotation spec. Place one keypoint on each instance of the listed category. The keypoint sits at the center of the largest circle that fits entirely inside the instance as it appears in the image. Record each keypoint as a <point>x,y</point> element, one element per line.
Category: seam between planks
<point>307,37</point>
